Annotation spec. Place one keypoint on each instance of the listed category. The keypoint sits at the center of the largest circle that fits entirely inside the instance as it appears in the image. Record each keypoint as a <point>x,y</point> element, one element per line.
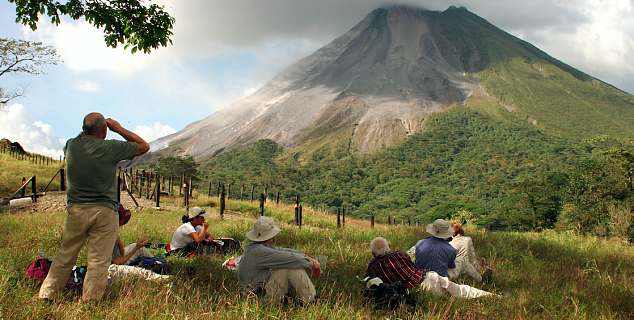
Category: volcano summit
<point>378,83</point>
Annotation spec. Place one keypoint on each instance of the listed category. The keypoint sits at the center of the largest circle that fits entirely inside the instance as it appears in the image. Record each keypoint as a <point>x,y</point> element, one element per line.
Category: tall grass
<point>550,275</point>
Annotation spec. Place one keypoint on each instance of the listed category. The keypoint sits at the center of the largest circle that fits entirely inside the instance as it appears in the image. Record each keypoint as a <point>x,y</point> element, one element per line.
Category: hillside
<point>380,83</point>
<point>15,168</point>
<point>549,275</point>
<point>465,157</point>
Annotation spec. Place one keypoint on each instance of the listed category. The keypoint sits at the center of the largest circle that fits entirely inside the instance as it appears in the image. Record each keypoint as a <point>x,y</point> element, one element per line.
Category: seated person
<point>391,267</point>
<point>120,265</point>
<point>122,257</point>
<point>192,236</point>
<point>269,270</point>
<point>464,245</point>
<point>436,254</point>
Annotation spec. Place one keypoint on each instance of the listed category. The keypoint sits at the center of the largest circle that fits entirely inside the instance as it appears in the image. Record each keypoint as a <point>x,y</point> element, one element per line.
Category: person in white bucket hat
<point>436,254</point>
<point>266,269</point>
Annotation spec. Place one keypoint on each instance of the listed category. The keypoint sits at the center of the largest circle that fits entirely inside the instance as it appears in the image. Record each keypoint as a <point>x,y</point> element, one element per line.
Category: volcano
<point>379,82</point>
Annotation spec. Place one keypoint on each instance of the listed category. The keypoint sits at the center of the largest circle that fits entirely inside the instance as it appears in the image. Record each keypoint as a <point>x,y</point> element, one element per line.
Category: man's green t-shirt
<point>91,168</point>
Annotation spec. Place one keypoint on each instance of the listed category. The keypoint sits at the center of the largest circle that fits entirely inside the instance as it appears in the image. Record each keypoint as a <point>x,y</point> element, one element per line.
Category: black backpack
<point>389,295</point>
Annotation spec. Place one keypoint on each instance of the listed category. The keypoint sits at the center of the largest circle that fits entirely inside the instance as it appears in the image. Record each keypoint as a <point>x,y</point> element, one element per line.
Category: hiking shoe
<point>487,275</point>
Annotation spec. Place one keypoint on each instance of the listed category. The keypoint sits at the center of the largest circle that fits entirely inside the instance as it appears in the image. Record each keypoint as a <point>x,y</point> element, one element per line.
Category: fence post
<point>277,198</point>
<point>34,187</point>
<point>265,194</point>
<point>242,193</point>
<point>343,216</point>
<point>141,182</point>
<point>300,215</point>
<point>252,190</point>
<point>338,218</point>
<point>209,191</point>
<point>158,191</point>
<point>62,179</point>
<point>228,190</point>
<point>23,193</point>
<point>119,188</point>
<point>261,204</point>
<point>372,221</point>
<point>186,197</point>
<point>296,210</point>
<point>148,179</point>
<point>222,200</point>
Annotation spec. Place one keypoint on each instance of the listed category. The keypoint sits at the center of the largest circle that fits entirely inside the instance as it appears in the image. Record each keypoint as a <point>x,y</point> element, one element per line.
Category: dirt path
<point>56,201</point>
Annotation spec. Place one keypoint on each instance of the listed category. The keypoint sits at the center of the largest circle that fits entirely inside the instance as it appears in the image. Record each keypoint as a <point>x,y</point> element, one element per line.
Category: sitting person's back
<point>392,267</point>
<point>266,269</point>
<point>463,244</point>
<point>435,253</point>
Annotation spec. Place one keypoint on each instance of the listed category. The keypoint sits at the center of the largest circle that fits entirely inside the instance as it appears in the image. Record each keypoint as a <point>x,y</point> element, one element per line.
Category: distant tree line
<point>502,175</point>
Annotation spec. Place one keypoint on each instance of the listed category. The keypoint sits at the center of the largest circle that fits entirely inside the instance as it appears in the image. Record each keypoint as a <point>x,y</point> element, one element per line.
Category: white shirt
<point>181,237</point>
<point>464,248</point>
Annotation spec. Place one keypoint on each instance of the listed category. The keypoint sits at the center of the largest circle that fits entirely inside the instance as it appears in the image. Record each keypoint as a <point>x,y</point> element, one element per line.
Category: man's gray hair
<point>379,246</point>
<point>93,125</point>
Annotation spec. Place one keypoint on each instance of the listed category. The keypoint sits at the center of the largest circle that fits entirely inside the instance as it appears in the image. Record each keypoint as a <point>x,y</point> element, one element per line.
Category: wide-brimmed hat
<point>197,212</point>
<point>263,229</point>
<point>440,229</point>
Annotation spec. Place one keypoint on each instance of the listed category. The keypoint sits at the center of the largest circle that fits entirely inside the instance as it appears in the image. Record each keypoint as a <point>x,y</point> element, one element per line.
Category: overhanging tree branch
<point>127,22</point>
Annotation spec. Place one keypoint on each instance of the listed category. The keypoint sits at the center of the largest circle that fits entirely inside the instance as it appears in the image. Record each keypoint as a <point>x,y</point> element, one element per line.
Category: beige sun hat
<point>197,212</point>
<point>263,229</point>
<point>440,229</point>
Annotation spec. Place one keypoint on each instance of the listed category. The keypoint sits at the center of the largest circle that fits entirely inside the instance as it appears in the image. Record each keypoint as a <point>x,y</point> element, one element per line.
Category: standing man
<point>91,163</point>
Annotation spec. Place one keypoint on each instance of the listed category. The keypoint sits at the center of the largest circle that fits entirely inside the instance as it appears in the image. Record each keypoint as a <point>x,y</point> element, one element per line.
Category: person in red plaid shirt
<point>395,266</point>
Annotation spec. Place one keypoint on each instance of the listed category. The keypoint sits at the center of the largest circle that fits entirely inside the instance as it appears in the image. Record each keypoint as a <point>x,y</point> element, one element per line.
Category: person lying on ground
<point>192,236</point>
<point>392,267</point>
<point>464,245</point>
<point>133,251</point>
<point>122,257</point>
<point>271,271</point>
<point>436,254</point>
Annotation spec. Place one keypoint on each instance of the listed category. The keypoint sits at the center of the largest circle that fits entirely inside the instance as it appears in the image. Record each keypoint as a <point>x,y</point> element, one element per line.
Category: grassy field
<point>14,169</point>
<point>549,275</point>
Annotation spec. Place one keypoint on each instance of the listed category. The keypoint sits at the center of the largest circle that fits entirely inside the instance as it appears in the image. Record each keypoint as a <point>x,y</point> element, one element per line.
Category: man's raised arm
<point>142,146</point>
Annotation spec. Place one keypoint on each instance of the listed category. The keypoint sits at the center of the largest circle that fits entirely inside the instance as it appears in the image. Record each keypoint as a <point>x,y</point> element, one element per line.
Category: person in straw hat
<point>266,269</point>
<point>436,254</point>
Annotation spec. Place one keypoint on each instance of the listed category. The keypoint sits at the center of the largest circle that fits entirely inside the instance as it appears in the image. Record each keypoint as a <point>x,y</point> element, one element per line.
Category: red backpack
<point>38,270</point>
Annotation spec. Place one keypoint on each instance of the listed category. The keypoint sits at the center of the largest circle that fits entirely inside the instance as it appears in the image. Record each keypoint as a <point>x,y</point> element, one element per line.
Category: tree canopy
<point>128,22</point>
<point>21,56</point>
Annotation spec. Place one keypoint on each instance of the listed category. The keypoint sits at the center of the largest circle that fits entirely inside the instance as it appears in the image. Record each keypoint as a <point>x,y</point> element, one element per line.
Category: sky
<point>224,50</point>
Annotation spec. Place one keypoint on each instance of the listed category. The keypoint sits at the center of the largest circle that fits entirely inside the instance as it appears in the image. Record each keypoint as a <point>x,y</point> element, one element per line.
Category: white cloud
<point>82,48</point>
<point>18,125</point>
<point>87,86</point>
<point>152,133</point>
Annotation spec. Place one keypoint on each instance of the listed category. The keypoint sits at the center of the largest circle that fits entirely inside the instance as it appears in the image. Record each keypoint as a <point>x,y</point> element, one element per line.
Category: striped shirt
<point>395,266</point>
<point>435,254</point>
